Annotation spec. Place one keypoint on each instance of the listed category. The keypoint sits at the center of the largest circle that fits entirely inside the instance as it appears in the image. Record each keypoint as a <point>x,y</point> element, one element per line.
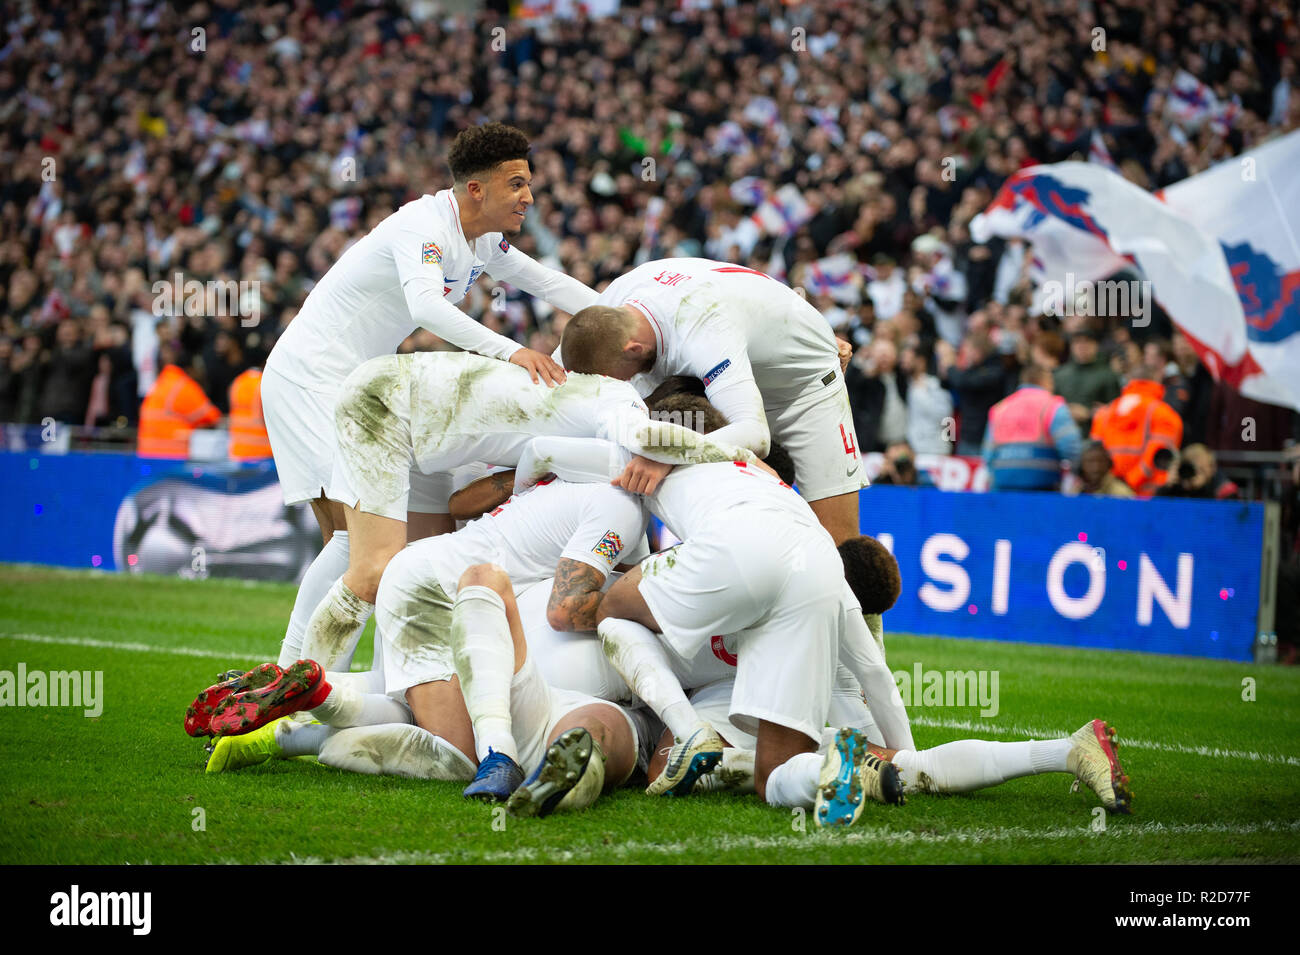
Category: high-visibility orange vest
<point>1134,427</point>
<point>248,440</point>
<point>174,407</point>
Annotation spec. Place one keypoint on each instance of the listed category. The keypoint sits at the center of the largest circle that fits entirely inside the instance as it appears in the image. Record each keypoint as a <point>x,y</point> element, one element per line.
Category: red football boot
<point>301,686</point>
<point>199,713</point>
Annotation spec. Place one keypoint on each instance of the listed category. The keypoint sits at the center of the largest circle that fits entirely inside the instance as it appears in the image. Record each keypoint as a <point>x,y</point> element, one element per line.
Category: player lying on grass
<point>408,272</point>
<point>576,532</point>
<point>436,411</point>
<point>569,661</point>
<point>516,714</point>
<point>767,358</point>
<point>755,563</point>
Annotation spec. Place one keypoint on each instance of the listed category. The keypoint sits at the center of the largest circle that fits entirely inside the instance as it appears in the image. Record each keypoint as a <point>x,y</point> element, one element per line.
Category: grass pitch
<point>1216,776</point>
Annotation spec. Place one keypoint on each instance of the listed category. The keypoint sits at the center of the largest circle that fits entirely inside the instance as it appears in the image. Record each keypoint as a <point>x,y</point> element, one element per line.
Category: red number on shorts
<point>849,447</point>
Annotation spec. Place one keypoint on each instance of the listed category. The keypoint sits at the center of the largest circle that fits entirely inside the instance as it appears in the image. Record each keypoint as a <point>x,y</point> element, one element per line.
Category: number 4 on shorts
<point>849,446</point>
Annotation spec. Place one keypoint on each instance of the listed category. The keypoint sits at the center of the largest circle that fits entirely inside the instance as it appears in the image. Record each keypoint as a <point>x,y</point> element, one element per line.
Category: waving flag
<point>828,120</point>
<point>836,276</point>
<point>783,212</point>
<point>653,224</point>
<point>729,139</point>
<point>1190,103</point>
<point>749,191</point>
<point>1098,153</point>
<point>1222,252</point>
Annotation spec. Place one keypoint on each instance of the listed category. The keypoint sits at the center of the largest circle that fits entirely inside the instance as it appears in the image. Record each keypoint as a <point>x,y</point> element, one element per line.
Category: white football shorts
<point>774,583</point>
<point>817,429</point>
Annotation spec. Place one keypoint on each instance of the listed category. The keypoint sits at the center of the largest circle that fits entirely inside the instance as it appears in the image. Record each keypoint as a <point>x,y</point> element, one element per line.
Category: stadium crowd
<point>150,144</point>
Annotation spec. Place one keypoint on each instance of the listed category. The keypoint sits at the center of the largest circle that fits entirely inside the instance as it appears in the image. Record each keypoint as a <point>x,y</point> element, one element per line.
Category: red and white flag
<point>1221,251</point>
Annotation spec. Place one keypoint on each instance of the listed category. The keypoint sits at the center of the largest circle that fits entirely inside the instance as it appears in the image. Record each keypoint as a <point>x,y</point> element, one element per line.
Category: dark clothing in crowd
<point>976,390</point>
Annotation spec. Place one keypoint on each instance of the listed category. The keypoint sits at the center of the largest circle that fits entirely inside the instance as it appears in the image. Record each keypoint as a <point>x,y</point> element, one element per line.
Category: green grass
<point>1216,778</point>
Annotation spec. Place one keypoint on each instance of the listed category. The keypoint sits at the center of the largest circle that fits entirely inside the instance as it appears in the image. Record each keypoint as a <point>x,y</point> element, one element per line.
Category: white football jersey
<point>529,534</point>
<point>409,272</point>
<point>728,326</point>
<point>689,496</point>
<point>467,408</point>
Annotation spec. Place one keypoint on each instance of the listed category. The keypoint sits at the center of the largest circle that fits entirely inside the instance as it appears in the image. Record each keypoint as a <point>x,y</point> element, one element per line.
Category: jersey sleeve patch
<point>430,254</point>
<point>712,375</point>
<point>503,245</point>
<point>610,546</point>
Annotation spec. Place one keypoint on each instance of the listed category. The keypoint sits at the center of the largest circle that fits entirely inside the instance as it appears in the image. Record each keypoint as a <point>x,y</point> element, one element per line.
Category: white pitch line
<point>1038,732</point>
<point>815,839</point>
<point>978,728</point>
<point>130,647</point>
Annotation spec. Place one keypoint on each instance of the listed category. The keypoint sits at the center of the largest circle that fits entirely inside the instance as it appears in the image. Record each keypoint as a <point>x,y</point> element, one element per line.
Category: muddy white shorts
<point>536,709</point>
<point>301,424</point>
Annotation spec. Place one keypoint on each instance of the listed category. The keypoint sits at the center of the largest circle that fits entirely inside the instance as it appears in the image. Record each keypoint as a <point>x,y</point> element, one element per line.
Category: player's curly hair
<point>685,394</point>
<point>481,149</point>
<point>872,573</point>
<point>689,410</point>
<point>677,384</point>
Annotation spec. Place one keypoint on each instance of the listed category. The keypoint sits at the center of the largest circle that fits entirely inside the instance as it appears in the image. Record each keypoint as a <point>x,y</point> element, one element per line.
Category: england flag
<point>1221,250</point>
<point>783,212</point>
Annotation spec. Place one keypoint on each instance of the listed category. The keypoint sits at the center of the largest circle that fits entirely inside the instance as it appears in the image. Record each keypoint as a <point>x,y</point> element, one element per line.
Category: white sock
<point>347,705</point>
<point>335,628</point>
<point>641,660</point>
<point>396,749</point>
<point>329,565</point>
<point>793,784</point>
<point>971,764</point>
<point>485,662</point>
<point>301,739</point>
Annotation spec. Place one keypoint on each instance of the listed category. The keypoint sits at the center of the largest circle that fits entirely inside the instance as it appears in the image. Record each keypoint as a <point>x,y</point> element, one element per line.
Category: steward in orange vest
<point>173,408</point>
<point>248,439</point>
<point>1142,435</point>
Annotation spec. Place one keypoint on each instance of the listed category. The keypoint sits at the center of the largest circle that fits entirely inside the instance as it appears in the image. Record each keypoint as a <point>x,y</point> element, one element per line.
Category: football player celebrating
<point>408,272</point>
<point>755,563</point>
<point>431,412</point>
<point>768,360</point>
<point>579,533</point>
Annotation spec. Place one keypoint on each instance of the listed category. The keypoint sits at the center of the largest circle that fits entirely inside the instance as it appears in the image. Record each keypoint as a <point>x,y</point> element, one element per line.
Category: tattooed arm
<point>575,595</point>
<point>476,499</point>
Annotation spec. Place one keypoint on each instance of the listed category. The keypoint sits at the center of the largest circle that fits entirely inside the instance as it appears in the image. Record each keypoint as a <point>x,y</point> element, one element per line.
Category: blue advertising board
<point>119,512</point>
<point>1160,575</point>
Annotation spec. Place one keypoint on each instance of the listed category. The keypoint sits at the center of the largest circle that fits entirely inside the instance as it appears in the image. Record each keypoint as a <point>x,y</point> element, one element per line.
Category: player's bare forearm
<point>575,596</point>
<point>475,500</point>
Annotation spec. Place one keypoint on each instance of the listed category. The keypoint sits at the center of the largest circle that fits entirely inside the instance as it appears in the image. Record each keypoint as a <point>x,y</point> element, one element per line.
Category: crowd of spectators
<point>229,142</point>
